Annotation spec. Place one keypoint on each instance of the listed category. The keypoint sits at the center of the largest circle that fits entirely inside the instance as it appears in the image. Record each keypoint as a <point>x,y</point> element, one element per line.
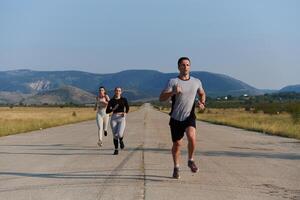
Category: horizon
<point>24,69</point>
<point>257,42</point>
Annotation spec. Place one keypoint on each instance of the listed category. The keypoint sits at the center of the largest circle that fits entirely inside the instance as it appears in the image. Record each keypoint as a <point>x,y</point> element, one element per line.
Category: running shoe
<point>99,143</point>
<point>192,166</point>
<point>105,133</point>
<point>116,152</point>
<point>176,173</point>
<point>122,144</point>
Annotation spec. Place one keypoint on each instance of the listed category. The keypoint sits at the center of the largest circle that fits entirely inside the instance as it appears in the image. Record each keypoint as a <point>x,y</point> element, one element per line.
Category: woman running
<point>101,117</point>
<point>119,106</point>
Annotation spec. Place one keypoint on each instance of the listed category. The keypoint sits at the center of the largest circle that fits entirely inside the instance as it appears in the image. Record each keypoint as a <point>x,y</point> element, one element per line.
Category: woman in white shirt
<point>101,117</point>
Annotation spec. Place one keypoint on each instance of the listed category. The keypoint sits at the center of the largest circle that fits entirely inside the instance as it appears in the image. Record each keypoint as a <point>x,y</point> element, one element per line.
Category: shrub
<point>270,108</point>
<point>248,108</point>
<point>201,111</point>
<point>294,110</point>
<point>74,114</point>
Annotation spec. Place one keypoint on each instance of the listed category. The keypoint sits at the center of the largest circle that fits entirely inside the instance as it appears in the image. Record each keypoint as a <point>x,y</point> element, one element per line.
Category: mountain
<point>48,86</point>
<point>12,97</point>
<point>28,81</point>
<point>62,95</point>
<point>221,85</point>
<point>291,88</point>
<point>269,91</point>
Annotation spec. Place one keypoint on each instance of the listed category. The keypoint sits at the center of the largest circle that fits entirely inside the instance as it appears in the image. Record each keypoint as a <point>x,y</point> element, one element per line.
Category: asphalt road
<point>66,163</point>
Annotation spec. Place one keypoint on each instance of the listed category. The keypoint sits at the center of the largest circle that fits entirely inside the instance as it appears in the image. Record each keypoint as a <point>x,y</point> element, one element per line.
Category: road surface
<point>65,163</point>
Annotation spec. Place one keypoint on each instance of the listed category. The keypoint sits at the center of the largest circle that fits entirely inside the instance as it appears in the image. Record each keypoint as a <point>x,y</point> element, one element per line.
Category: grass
<point>23,119</point>
<point>279,124</point>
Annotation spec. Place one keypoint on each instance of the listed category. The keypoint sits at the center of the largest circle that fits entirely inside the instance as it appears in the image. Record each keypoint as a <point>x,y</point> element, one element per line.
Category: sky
<point>255,41</point>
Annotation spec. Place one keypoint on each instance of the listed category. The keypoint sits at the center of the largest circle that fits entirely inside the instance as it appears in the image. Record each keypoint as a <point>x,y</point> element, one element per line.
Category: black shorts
<point>178,127</point>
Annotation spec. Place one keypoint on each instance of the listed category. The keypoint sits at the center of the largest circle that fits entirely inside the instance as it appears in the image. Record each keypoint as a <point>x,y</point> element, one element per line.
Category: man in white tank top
<point>183,90</point>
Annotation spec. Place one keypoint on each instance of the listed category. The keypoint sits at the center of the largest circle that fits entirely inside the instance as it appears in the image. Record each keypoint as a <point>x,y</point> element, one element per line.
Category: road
<point>65,163</point>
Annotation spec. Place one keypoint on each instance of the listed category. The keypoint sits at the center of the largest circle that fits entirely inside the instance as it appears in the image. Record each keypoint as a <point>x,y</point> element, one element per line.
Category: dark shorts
<point>178,127</point>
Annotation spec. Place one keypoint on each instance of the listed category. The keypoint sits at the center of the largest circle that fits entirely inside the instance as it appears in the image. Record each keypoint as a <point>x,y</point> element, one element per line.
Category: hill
<point>62,95</point>
<point>48,86</point>
<point>291,88</point>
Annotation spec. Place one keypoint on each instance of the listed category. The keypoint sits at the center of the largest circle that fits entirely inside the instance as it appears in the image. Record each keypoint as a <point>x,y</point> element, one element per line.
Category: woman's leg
<point>100,128</point>
<point>105,124</point>
<point>114,128</point>
<point>122,124</point>
<point>99,121</point>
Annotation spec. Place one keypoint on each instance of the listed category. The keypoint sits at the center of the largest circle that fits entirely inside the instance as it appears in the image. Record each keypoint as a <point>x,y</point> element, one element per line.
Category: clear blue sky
<point>255,41</point>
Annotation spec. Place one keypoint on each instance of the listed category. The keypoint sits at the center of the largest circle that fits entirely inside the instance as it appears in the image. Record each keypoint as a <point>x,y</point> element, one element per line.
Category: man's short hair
<point>181,59</point>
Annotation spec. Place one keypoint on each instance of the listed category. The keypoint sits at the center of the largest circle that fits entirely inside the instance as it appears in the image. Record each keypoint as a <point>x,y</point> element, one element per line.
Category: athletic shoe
<point>122,144</point>
<point>176,173</point>
<point>116,152</point>
<point>192,166</point>
<point>99,143</point>
<point>105,133</point>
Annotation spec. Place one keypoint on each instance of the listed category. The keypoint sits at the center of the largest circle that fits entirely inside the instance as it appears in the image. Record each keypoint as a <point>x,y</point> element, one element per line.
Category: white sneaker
<point>99,143</point>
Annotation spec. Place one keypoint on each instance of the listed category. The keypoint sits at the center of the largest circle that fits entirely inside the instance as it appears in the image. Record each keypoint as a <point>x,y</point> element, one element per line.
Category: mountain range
<point>50,87</point>
<point>291,88</point>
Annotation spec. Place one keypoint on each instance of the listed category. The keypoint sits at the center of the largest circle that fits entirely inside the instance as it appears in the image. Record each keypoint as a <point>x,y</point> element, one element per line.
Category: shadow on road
<point>286,156</point>
<point>88,175</point>
<point>68,150</point>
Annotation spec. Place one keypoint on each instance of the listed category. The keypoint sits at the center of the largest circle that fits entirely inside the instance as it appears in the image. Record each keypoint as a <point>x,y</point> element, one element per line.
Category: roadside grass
<point>278,124</point>
<point>23,119</point>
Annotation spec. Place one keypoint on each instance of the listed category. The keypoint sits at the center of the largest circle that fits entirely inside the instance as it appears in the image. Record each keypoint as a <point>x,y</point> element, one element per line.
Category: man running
<point>183,90</point>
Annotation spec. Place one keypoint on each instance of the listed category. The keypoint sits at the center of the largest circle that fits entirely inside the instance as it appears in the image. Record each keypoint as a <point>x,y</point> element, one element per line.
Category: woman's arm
<point>96,104</point>
<point>104,101</point>
<point>126,105</point>
<point>109,107</point>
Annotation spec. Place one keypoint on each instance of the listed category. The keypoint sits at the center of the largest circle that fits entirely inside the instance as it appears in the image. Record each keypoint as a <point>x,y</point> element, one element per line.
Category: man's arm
<point>202,98</point>
<point>164,95</point>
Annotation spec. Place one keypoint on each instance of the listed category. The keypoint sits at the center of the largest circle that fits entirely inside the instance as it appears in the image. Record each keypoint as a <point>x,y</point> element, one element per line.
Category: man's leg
<point>176,152</point>
<point>191,136</point>
<point>177,132</point>
<point>176,157</point>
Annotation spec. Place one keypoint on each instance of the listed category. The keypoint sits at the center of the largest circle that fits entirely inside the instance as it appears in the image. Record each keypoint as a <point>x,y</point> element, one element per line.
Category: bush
<point>201,111</point>
<point>74,114</point>
<point>248,108</point>
<point>270,108</point>
<point>294,110</point>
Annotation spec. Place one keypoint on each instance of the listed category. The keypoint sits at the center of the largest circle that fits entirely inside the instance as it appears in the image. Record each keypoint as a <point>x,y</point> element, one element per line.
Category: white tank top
<point>101,107</point>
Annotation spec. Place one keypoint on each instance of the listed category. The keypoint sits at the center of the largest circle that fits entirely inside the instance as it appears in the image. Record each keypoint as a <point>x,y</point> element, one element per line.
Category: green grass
<point>278,124</point>
<point>281,124</point>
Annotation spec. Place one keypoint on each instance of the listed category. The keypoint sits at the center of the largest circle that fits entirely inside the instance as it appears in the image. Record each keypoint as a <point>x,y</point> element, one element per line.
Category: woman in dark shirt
<point>119,106</point>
